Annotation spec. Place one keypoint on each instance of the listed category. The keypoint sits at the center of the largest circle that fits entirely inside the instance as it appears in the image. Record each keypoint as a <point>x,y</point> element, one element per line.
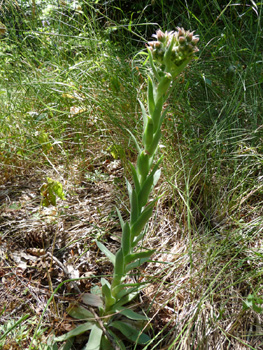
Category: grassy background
<point>70,75</point>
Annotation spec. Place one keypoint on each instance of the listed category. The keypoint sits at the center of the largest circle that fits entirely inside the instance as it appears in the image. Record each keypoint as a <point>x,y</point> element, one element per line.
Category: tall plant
<point>168,56</point>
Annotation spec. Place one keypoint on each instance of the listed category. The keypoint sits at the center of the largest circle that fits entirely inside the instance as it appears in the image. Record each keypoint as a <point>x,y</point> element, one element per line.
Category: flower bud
<point>160,35</point>
<point>190,36</point>
<point>173,50</point>
<point>181,31</point>
<point>195,40</point>
<point>181,39</point>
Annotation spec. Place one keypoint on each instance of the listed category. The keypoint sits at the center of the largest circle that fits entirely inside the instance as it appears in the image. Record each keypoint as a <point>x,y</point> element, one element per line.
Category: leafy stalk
<point>173,50</point>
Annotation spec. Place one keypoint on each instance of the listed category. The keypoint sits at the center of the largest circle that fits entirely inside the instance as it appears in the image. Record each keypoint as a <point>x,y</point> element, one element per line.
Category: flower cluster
<point>173,49</point>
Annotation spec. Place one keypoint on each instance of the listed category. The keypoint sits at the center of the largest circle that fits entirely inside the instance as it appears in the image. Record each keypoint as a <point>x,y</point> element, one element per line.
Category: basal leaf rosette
<point>173,50</point>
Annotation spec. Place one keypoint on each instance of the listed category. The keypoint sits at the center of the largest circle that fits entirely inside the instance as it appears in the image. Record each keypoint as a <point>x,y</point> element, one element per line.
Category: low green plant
<point>50,191</point>
<point>168,56</point>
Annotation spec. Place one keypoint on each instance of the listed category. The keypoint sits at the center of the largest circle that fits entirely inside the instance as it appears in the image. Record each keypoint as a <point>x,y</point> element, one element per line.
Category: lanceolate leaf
<point>76,331</point>
<point>162,88</point>
<point>140,255</point>
<point>126,239</point>
<point>129,188</point>
<point>132,315</point>
<point>109,299</point>
<point>136,264</point>
<point>154,144</point>
<point>151,103</point>
<point>94,339</point>
<point>135,178</point>
<point>144,114</point>
<point>131,333</point>
<point>156,177</point>
<point>147,185</point>
<point>134,207</point>
<point>106,252</point>
<point>157,76</point>
<point>145,191</point>
<point>119,266</point>
<point>135,141</point>
<point>79,312</point>
<point>68,345</point>
<point>163,116</point>
<point>105,344</point>
<point>129,295</point>
<point>92,300</point>
<point>118,341</point>
<point>148,133</point>
<point>143,219</point>
<point>137,239</point>
<point>157,113</point>
<point>120,217</point>
<point>143,164</point>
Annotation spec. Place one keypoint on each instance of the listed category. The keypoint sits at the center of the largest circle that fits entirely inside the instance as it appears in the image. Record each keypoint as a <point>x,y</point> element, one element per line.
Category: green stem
<point>144,176</point>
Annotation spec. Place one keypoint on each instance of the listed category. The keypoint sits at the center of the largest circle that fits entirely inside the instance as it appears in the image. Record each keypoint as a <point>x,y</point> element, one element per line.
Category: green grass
<point>71,87</point>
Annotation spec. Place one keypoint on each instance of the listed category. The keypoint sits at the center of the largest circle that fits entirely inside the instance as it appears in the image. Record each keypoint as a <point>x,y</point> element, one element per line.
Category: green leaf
<point>131,333</point>
<point>118,341</point>
<point>106,251</point>
<point>157,114</point>
<point>79,312</point>
<point>92,300</point>
<point>105,344</point>
<point>137,239</point>
<point>135,264</point>
<point>148,184</point>
<point>76,331</point>
<point>94,339</point>
<point>135,178</point>
<point>132,315</point>
<point>162,117</point>
<point>145,191</point>
<point>163,86</point>
<point>156,177</point>
<point>129,188</point>
<point>138,226</point>
<point>119,266</point>
<point>58,190</point>
<point>96,290</point>
<point>68,344</point>
<point>125,296</point>
<point>106,289</point>
<point>157,76</point>
<point>151,103</point>
<point>134,207</point>
<point>143,164</point>
<point>144,115</point>
<point>128,294</point>
<point>155,142</point>
<point>253,301</point>
<point>135,141</point>
<point>141,255</point>
<point>50,191</point>
<point>148,133</point>
<point>120,217</point>
<point>257,308</point>
<point>126,239</point>
<point>105,282</point>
